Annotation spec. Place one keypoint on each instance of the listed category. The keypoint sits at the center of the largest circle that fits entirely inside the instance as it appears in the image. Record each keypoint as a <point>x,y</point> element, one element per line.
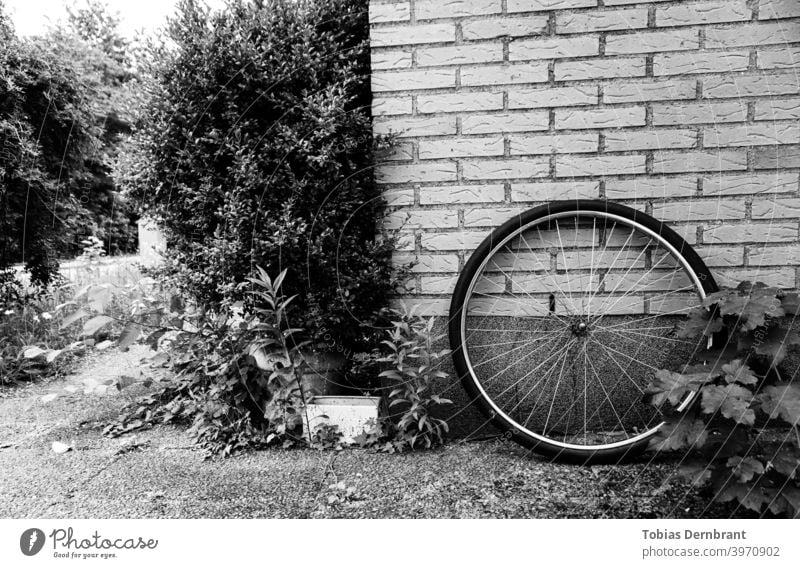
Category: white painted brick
<point>438,284</point>
<point>777,277</point>
<point>460,240</point>
<point>600,68</point>
<point>505,122</point>
<point>605,117</point>
<point>752,34</point>
<point>506,26</point>
<point>768,232</point>
<point>404,242</point>
<point>605,20</point>
<point>751,134</point>
<point>408,219</point>
<point>547,143</point>
<point>425,126</point>
<point>778,109</point>
<point>775,9</point>
<point>649,187</point>
<point>413,80</point>
<point>425,307</point>
<point>776,157</point>
<point>410,35</point>
<point>651,139</point>
<point>400,151</point>
<point>750,184</point>
<point>431,172</point>
<point>717,257</point>
<point>434,9</point>
<point>381,13</point>
<point>774,256</point>
<point>554,97</point>
<point>626,2</point>
<point>680,63</point>
<point>751,85</point>
<point>783,57</point>
<point>676,162</point>
<point>391,106</point>
<point>459,102</point>
<point>577,166</point>
<point>391,59</point>
<point>778,208</point>
<point>396,197</point>
<point>460,54</point>
<point>698,113</point>
<point>458,147</point>
<point>547,5</point>
<point>505,169</point>
<point>699,210</point>
<point>649,42</point>
<point>462,194</point>
<point>490,217</point>
<point>504,74</point>
<point>649,90</point>
<point>553,47</point>
<point>706,12</point>
<point>428,262</point>
<point>551,191</point>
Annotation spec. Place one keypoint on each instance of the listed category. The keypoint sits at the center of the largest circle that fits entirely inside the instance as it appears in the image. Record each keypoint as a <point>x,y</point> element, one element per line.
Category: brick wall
<point>685,109</point>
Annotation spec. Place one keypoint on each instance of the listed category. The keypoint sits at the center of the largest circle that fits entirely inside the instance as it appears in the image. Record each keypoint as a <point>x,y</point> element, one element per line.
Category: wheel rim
<point>560,333</point>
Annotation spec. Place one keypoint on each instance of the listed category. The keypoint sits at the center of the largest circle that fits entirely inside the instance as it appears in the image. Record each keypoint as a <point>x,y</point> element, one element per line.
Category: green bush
<point>256,150</point>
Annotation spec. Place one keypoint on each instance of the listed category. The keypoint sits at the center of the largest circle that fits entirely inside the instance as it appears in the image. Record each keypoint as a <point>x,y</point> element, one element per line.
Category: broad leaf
<point>744,468</point>
<point>678,433</point>
<point>751,497</point>
<point>774,344</point>
<point>700,323</point>
<point>33,352</point>
<point>782,401</point>
<point>99,297</point>
<point>129,336</point>
<point>73,317</point>
<point>95,324</point>
<point>673,387</point>
<point>739,372</point>
<point>732,401</point>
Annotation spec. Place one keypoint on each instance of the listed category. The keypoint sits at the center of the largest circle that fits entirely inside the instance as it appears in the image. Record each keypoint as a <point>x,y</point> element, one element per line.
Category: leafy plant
<point>742,433</point>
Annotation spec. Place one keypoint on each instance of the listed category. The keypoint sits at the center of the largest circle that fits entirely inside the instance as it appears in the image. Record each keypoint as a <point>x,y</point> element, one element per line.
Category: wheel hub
<point>580,328</point>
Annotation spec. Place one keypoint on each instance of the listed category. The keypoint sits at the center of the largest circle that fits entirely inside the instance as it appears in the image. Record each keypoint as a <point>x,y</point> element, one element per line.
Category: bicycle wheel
<point>563,315</point>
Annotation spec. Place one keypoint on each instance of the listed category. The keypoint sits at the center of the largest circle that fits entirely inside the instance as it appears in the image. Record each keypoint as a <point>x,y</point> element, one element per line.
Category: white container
<point>351,414</point>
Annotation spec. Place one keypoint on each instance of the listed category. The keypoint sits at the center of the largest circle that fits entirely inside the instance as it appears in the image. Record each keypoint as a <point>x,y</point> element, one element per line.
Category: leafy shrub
<point>256,150</point>
<point>742,431</point>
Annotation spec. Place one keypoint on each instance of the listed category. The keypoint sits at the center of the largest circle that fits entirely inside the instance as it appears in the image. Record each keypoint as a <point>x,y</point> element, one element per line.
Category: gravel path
<point>158,474</point>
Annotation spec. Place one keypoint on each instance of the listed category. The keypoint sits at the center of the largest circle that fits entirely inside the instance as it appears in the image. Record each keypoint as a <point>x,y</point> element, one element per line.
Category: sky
<point>32,16</point>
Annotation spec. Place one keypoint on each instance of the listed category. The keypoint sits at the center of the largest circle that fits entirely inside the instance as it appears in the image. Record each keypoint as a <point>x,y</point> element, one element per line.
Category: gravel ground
<point>158,474</point>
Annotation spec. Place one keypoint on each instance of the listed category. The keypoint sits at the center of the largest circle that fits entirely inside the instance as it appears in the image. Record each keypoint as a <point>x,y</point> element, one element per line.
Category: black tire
<point>544,217</point>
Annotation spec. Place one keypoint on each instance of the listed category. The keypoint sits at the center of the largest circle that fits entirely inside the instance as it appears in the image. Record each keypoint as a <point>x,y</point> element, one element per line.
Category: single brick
<point>547,143</point>
<point>776,158</point>
<point>391,59</point>
<point>777,277</point>
<point>698,113</point>
<point>783,57</point>
<point>778,109</point>
<point>706,12</point>
<point>555,97</point>
<point>605,117</point>
<point>434,9</point>
<point>381,13</point>
<point>505,169</point>
<point>676,162</point>
<point>600,68</point>
<point>776,9</point>
<point>778,208</point>
<point>438,284</point>
<point>460,54</point>
<point>774,256</point>
<point>411,35</point>
<point>699,210</point>
<point>460,102</point>
<point>490,217</point>
<point>502,27</point>
<point>750,184</point>
<point>427,262</point>
<point>601,21</point>
<point>402,151</point>
<point>751,85</point>
<point>751,34</point>
<point>547,5</point>
<point>649,187</point>
<point>551,191</point>
<point>505,122</point>
<point>461,240</point>
<point>410,127</point>
<point>649,90</point>
<point>721,256</point>
<point>414,219</point>
<point>430,172</point>
<point>768,232</point>
<point>626,2</point>
<point>651,139</point>
<point>553,47</point>
<point>751,134</point>
<point>443,195</point>
<point>458,147</point>
<point>391,106</point>
<point>700,62</point>
<point>413,80</point>
<point>649,42</point>
<point>577,166</point>
<point>504,74</point>
<point>396,197</point>
<point>405,242</point>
